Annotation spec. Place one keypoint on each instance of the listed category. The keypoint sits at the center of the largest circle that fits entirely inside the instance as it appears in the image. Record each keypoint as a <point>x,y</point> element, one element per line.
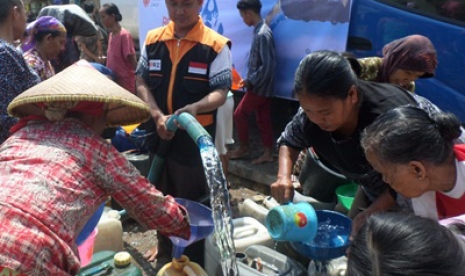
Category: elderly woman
<point>55,171</point>
<point>15,75</point>
<point>47,38</point>
<point>404,61</point>
<point>416,155</point>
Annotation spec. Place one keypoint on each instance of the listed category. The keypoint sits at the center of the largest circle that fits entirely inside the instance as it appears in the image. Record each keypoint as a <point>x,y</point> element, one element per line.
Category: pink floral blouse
<point>43,68</point>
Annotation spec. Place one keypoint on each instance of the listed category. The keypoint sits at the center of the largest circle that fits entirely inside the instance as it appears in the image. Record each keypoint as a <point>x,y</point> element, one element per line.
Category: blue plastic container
<point>336,243</point>
<point>139,137</point>
<point>201,222</point>
<point>122,141</point>
<point>292,222</point>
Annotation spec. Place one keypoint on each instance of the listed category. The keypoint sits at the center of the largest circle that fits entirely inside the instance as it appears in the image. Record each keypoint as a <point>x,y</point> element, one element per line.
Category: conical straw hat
<point>81,82</point>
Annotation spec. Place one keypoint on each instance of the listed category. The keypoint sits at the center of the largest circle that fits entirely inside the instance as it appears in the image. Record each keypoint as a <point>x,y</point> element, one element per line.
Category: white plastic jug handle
<point>245,232</point>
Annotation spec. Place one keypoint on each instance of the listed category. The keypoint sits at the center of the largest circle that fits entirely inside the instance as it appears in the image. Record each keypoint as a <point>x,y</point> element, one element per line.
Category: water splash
<point>329,235</point>
<point>221,210</point>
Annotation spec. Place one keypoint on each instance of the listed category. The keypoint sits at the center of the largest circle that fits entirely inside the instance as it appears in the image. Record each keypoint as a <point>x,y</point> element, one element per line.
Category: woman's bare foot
<point>266,157</point>
<point>263,159</point>
<point>239,153</point>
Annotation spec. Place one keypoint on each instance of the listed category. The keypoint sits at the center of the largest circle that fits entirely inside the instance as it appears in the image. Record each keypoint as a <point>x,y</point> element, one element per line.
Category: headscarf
<point>414,53</point>
<point>43,24</point>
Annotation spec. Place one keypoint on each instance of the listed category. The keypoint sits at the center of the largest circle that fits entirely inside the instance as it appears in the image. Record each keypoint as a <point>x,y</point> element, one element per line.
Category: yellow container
<point>130,128</point>
<point>181,267</point>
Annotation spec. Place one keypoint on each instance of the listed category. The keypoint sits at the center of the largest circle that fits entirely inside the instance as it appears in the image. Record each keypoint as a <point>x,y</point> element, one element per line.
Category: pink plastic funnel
<point>201,223</point>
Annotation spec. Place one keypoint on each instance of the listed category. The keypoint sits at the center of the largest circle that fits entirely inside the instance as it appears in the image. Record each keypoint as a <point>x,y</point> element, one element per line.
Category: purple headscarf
<point>414,53</point>
<point>43,24</point>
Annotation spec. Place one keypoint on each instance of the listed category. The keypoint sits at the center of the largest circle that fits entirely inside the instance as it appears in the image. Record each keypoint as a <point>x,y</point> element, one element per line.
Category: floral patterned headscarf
<point>414,53</point>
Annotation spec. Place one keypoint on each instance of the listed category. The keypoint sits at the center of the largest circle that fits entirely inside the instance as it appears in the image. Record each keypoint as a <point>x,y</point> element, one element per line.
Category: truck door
<point>375,23</point>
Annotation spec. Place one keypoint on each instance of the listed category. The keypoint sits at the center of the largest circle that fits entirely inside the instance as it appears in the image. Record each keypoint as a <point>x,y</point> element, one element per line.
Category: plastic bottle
<point>110,232</point>
<point>273,262</point>
<point>181,267</point>
<point>270,202</point>
<point>111,263</point>
<point>250,208</point>
<point>334,267</point>
<point>316,204</point>
<point>247,231</point>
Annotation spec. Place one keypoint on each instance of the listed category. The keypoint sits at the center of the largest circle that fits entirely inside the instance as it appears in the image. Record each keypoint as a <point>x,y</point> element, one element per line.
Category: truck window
<point>451,11</point>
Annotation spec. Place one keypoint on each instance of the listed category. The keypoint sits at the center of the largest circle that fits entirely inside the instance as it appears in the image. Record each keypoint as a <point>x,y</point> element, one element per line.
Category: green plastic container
<point>103,264</point>
<point>346,194</point>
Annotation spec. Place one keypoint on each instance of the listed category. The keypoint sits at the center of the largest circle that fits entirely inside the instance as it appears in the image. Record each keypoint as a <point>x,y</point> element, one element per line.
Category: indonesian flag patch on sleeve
<point>197,68</point>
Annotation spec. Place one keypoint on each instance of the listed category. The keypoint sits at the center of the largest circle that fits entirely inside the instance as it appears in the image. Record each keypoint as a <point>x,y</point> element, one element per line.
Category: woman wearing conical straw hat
<point>55,171</point>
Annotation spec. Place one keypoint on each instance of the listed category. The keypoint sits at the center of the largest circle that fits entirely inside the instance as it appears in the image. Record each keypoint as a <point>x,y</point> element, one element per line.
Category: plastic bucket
<point>292,222</point>
<point>346,194</point>
<point>86,249</point>
<point>330,242</point>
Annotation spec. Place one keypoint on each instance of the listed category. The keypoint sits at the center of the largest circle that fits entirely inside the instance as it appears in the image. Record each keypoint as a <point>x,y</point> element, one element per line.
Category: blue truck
<point>374,23</point>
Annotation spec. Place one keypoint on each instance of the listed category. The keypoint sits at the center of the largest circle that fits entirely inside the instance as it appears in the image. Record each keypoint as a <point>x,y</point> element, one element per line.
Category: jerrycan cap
<point>122,259</point>
<point>114,214</point>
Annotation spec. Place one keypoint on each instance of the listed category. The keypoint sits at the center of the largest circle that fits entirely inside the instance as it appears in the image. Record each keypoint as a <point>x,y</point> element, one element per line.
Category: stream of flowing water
<point>221,210</point>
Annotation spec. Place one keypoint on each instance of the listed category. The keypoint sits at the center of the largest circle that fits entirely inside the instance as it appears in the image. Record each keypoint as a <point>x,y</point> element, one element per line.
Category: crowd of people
<point>361,117</point>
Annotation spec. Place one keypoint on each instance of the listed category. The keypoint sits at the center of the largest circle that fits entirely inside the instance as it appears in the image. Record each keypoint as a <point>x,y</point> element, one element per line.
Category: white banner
<point>299,27</point>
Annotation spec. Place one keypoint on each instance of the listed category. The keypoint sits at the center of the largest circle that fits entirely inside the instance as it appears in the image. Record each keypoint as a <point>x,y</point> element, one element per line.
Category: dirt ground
<point>138,240</point>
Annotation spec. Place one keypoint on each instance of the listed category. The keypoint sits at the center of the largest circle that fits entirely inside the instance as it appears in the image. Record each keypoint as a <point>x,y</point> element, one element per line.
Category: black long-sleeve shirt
<point>347,156</point>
